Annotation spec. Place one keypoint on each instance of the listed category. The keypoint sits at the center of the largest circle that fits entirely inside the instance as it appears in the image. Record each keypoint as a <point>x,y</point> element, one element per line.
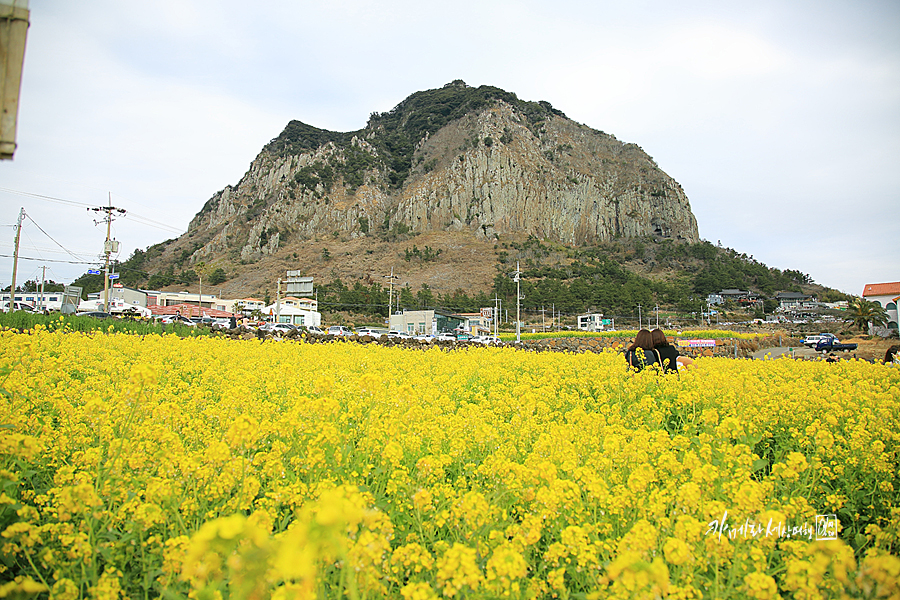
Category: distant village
<point>299,307</point>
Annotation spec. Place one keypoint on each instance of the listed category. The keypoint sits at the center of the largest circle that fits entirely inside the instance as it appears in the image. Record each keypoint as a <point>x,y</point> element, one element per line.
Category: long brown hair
<point>889,355</point>
<point>643,339</point>
<point>659,338</point>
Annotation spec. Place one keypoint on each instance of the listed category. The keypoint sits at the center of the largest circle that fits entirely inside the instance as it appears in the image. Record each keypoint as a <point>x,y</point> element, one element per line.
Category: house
<point>49,300</point>
<point>794,301</point>
<point>304,303</point>
<point>590,322</point>
<point>418,322</point>
<point>414,322</point>
<point>886,295</point>
<point>293,314</point>
<point>129,295</point>
<point>173,298</point>
<point>476,323</point>
<point>187,310</point>
<point>248,305</point>
<point>734,294</point>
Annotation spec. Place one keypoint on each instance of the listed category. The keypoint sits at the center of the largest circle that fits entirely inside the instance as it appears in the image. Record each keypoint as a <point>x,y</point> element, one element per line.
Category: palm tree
<point>864,313</point>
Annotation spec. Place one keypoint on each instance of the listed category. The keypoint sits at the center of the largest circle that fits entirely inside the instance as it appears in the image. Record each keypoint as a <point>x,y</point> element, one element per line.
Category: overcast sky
<point>781,120</point>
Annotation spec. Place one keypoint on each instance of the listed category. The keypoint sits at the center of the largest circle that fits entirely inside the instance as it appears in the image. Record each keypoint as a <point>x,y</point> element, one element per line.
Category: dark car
<point>97,314</point>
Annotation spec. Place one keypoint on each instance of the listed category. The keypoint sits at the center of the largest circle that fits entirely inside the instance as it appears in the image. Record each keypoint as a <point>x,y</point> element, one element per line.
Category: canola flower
<point>156,466</point>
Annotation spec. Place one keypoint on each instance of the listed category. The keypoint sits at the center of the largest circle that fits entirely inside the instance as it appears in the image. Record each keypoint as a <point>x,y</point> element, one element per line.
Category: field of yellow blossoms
<point>155,466</point>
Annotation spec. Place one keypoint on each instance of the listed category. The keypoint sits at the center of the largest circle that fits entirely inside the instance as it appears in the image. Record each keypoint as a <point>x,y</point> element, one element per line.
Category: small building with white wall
<point>590,322</point>
<point>293,314</point>
<point>886,295</point>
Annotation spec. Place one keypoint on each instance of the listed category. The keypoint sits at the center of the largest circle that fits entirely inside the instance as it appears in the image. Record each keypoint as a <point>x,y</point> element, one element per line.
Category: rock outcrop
<point>458,158</point>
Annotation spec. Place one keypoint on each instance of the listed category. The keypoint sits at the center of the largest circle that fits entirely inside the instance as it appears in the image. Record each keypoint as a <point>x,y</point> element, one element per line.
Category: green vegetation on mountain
<point>394,134</point>
<point>612,277</point>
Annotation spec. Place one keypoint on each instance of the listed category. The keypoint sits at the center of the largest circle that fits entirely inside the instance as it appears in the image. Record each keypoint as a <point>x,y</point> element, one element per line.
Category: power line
<point>44,197</point>
<point>136,218</point>
<point>68,262</point>
<point>151,223</point>
<point>36,248</point>
<point>72,254</point>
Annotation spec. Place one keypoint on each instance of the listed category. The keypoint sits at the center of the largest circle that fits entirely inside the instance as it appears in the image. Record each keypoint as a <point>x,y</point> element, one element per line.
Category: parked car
<point>374,332</point>
<point>172,319</point>
<point>812,340</point>
<point>281,327</point>
<point>399,335</point>
<point>96,314</point>
<point>339,330</point>
<point>445,336</point>
<point>221,323</point>
<point>425,337</point>
<point>487,340</point>
<point>17,306</point>
<point>313,329</point>
<point>205,321</point>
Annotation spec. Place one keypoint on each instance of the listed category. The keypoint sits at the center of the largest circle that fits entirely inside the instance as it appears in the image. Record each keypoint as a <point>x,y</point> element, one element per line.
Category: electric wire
<point>150,222</point>
<point>68,262</point>
<point>45,197</point>
<point>72,254</point>
<point>135,217</point>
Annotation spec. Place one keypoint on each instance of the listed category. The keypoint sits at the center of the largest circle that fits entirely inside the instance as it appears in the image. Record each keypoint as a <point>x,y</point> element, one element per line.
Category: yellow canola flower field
<point>146,467</point>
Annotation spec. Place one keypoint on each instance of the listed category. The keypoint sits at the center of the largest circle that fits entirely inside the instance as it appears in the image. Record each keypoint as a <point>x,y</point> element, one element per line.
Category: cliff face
<point>455,159</point>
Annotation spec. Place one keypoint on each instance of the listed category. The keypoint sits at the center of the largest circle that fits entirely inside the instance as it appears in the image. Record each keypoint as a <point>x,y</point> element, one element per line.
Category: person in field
<point>892,356</point>
<point>669,357</point>
<point>641,353</point>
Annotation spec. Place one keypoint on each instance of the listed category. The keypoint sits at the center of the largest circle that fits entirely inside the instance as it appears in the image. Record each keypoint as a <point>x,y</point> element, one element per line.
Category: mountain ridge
<point>463,171</point>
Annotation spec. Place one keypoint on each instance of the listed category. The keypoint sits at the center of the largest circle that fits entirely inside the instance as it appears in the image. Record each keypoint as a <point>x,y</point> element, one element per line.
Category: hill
<point>450,189</point>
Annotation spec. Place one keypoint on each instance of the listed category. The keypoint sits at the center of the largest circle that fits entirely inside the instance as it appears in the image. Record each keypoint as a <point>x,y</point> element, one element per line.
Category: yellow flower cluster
<point>147,466</point>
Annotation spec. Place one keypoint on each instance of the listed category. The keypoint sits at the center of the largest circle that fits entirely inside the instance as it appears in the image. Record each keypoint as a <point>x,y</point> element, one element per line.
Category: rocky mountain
<point>476,164</point>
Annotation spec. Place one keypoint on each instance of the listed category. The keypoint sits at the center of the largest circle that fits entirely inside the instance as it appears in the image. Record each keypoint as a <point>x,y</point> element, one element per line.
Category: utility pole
<point>278,302</point>
<point>496,315</point>
<point>109,246</point>
<point>390,279</point>
<point>518,298</point>
<point>640,320</point>
<point>657,316</point>
<point>543,321</point>
<point>12,288</point>
<point>41,301</point>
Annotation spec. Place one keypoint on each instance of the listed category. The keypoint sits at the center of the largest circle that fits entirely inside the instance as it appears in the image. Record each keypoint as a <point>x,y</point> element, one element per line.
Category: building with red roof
<point>886,295</point>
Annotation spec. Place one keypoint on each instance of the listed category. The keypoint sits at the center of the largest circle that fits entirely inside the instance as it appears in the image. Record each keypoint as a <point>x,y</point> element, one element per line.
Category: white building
<point>49,300</point>
<point>886,295</point>
<point>590,322</point>
<point>476,323</point>
<point>293,314</point>
<point>125,294</point>
<point>247,305</point>
<point>305,303</point>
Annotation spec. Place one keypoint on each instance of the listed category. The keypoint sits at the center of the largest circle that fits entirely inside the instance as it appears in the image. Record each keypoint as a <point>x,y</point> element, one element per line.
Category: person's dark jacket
<point>668,355</point>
